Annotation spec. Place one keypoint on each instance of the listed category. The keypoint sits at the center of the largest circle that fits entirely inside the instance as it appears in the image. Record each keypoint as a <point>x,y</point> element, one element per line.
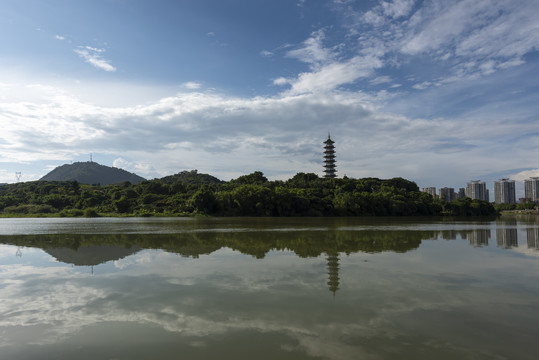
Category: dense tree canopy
<point>191,193</point>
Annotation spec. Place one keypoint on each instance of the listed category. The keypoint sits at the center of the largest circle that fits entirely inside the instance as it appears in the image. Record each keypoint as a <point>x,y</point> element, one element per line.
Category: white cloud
<point>60,37</point>
<point>94,57</point>
<point>281,81</point>
<point>331,76</point>
<point>313,51</point>
<point>524,175</point>
<point>191,85</point>
<point>461,38</point>
<point>229,136</point>
<point>380,80</point>
<point>397,8</point>
<point>328,70</point>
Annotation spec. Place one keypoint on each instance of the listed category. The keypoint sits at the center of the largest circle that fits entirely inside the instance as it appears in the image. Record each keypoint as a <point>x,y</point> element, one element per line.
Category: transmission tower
<point>18,176</point>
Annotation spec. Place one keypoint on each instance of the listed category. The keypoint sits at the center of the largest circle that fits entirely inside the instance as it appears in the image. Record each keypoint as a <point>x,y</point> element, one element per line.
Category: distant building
<point>531,189</point>
<point>504,191</point>
<point>447,194</point>
<point>462,193</point>
<point>430,190</point>
<point>329,158</point>
<point>477,190</point>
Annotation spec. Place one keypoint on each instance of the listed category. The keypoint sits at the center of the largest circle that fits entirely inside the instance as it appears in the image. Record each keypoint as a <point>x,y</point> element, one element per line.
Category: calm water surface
<point>269,288</point>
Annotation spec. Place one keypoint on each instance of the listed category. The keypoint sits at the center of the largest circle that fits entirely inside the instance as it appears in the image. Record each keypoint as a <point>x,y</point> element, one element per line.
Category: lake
<point>269,288</point>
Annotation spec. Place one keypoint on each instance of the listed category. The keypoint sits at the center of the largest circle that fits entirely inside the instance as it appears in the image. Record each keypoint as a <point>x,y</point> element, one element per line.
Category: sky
<point>440,92</point>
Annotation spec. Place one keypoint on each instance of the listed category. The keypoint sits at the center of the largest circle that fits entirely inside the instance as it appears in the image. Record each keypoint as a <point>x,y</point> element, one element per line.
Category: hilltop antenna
<point>91,158</point>
<point>18,176</point>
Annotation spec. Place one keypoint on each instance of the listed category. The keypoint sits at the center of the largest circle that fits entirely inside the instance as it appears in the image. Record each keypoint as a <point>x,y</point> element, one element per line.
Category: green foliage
<point>248,195</point>
<point>30,209</point>
<point>190,178</point>
<point>204,201</point>
<point>502,207</point>
<point>90,213</point>
<point>72,213</point>
<point>255,178</point>
<point>467,207</point>
<point>528,205</point>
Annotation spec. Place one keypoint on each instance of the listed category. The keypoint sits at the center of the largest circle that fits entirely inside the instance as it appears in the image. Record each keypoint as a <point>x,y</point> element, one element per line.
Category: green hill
<point>91,173</point>
<point>190,178</point>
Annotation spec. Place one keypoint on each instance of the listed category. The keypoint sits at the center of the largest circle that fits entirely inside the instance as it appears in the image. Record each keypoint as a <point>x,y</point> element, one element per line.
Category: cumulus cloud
<point>94,56</point>
<point>229,136</point>
<point>524,175</point>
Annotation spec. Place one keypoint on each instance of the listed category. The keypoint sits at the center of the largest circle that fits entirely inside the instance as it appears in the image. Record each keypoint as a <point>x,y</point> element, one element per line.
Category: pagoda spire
<point>329,158</point>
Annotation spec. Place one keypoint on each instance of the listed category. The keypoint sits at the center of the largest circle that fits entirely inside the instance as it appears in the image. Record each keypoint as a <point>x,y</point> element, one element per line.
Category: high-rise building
<point>447,194</point>
<point>430,190</point>
<point>329,158</point>
<point>462,193</point>
<point>504,192</point>
<point>531,189</point>
<point>476,189</point>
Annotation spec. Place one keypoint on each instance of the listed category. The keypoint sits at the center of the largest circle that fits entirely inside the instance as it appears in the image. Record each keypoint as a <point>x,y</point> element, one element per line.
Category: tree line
<point>189,193</point>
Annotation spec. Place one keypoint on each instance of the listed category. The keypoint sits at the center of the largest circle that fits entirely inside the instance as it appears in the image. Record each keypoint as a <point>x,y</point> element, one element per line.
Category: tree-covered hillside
<point>248,195</point>
<point>192,177</point>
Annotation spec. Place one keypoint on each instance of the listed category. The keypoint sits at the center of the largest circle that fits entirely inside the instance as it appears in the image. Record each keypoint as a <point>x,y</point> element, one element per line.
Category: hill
<point>91,173</point>
<point>190,178</point>
<point>91,254</point>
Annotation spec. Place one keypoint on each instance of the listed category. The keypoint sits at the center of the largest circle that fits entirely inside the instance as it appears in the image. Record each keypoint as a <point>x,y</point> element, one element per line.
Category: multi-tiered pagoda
<point>329,158</point>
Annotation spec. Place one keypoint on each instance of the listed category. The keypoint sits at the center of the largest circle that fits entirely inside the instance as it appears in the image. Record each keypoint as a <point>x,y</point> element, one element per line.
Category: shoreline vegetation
<point>192,194</point>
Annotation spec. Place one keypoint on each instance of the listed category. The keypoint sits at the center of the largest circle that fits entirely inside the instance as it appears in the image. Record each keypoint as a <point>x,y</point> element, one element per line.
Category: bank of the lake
<point>248,195</point>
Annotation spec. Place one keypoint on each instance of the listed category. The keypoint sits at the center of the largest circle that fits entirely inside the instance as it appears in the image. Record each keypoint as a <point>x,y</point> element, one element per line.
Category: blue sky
<point>439,92</point>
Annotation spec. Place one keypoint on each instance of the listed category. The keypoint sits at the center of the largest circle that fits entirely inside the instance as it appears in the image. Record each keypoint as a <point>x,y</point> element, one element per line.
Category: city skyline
<point>437,92</point>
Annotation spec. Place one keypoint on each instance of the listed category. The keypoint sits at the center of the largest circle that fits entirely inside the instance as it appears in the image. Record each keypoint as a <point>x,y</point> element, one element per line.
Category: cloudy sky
<point>440,92</point>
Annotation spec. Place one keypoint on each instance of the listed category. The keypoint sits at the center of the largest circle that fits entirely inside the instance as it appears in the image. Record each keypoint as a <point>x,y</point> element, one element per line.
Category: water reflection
<point>533,238</point>
<point>478,238</point>
<point>383,291</point>
<point>333,272</point>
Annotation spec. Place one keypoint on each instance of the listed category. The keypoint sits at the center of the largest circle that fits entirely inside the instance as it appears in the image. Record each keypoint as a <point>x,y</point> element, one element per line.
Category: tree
<point>256,177</point>
<point>204,200</point>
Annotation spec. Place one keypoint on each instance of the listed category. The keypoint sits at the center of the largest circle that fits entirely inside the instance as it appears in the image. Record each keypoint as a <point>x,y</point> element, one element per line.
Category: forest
<point>190,193</point>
